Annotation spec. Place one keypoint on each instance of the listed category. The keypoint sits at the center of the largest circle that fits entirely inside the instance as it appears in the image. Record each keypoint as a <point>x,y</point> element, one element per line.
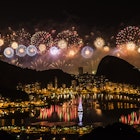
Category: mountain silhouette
<point>118,70</point>
<point>11,75</point>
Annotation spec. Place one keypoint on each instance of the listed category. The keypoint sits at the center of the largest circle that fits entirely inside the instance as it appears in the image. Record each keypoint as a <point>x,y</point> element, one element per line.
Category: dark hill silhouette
<point>11,75</point>
<point>118,70</point>
<point>4,135</point>
<point>13,94</point>
<point>113,131</point>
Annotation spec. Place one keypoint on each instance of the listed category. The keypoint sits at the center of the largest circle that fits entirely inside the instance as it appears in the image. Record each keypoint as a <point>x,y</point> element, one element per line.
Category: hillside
<point>118,70</point>
<point>11,75</point>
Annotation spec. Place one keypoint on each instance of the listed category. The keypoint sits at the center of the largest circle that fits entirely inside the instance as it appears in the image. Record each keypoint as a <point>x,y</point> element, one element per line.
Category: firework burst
<point>20,36</point>
<point>70,37</point>
<point>42,40</point>
<point>60,64</point>
<point>39,65</point>
<point>128,34</point>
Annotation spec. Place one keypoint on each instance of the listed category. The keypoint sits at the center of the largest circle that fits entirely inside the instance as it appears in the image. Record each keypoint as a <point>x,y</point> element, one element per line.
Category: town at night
<point>69,71</point>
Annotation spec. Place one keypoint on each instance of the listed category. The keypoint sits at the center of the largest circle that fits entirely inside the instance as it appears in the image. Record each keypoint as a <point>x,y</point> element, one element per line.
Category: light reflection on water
<point>80,110</point>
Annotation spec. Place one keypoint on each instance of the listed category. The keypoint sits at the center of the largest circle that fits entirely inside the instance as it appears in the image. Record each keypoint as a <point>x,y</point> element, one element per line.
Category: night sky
<point>90,12</point>
<point>92,18</point>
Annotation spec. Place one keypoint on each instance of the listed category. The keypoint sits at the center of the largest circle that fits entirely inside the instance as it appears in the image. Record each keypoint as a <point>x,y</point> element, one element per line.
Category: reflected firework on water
<point>132,118</point>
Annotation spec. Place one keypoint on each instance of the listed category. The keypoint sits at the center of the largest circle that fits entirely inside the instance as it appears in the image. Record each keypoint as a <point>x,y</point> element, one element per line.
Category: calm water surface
<point>79,111</point>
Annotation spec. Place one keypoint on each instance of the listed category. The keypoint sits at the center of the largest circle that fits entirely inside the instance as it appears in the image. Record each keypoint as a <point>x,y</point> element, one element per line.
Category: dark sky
<point>87,11</point>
